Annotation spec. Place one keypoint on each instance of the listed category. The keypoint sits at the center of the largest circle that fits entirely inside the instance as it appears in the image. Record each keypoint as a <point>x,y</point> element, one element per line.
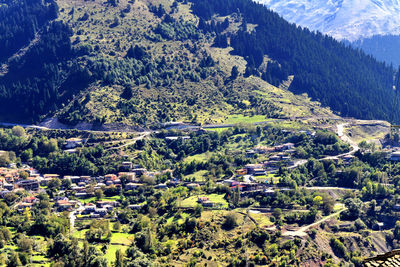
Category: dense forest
<point>20,21</point>
<point>338,76</point>
<point>40,76</point>
<point>384,48</point>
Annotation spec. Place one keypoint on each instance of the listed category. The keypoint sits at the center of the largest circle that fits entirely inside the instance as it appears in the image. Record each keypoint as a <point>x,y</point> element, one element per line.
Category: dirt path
<point>133,141</point>
<point>301,232</point>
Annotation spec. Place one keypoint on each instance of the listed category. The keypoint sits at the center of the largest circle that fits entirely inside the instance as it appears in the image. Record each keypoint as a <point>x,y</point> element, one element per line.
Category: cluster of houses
<point>280,155</point>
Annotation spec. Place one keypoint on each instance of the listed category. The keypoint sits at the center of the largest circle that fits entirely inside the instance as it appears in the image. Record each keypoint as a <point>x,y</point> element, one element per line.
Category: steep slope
<point>344,19</point>
<point>145,62</point>
<point>180,75</point>
<point>346,80</point>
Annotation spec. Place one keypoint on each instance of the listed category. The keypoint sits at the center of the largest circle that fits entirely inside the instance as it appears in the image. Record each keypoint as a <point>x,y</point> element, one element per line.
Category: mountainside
<point>382,47</point>
<point>344,19</point>
<point>144,62</point>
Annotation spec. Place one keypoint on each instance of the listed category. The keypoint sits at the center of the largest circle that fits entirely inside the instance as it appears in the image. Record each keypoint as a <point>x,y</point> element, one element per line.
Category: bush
<point>230,221</point>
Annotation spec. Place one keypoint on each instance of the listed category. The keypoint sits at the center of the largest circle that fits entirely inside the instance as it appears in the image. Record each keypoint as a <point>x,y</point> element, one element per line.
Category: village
<point>84,197</point>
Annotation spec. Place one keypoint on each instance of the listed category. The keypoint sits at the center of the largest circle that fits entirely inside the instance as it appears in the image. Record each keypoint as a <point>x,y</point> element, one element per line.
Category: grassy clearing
<point>218,130</point>
<point>199,176</point>
<point>199,157</point>
<point>179,220</point>
<point>110,255</point>
<point>267,178</point>
<point>93,199</point>
<point>192,201</point>
<point>239,118</point>
<point>262,219</point>
<point>122,238</point>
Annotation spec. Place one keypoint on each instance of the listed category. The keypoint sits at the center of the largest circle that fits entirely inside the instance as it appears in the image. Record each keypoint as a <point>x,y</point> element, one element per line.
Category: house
<point>207,204</point>
<point>269,192</point>
<point>284,147</point>
<point>81,195</point>
<point>250,153</point>
<point>172,138</point>
<point>135,206</point>
<point>348,158</point>
<point>161,186</point>
<point>241,172</point>
<point>131,176</point>
<point>8,186</point>
<point>230,182</point>
<point>103,203</point>
<point>22,206</point>
<point>51,176</point>
<point>192,186</point>
<point>258,172</point>
<point>127,165</point>
<point>251,167</point>
<point>264,149</point>
<point>63,205</point>
<point>139,171</point>
<point>72,143</point>
<point>30,199</point>
<point>74,179</point>
<point>378,226</point>
<point>89,208</point>
<point>29,185</point>
<point>395,156</point>
<point>101,211</point>
<point>202,199</point>
<point>131,186</point>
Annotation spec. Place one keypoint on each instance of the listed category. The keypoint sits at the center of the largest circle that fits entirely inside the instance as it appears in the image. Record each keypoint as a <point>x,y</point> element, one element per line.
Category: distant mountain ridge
<point>343,19</point>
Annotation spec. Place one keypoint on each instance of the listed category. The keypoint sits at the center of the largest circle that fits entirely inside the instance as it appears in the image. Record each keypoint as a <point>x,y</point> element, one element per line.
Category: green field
<point>93,199</point>
<point>199,176</point>
<point>199,157</point>
<point>192,201</point>
<point>218,130</point>
<point>239,118</point>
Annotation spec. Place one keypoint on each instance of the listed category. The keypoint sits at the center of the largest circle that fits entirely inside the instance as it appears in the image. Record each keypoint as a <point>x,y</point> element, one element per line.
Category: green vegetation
<point>215,198</point>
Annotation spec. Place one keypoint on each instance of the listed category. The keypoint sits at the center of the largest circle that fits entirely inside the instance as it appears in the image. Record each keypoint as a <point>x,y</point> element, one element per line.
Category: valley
<point>192,133</point>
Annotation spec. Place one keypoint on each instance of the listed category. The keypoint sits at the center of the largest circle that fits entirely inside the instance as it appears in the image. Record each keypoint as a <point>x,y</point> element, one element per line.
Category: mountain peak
<point>343,19</point>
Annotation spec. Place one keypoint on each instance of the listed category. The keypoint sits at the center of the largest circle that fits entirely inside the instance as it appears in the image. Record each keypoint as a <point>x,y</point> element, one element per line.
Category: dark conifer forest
<point>347,80</point>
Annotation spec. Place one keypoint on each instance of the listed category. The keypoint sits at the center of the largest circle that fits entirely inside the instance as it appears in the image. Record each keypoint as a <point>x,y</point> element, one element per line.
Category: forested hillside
<point>41,74</point>
<point>146,62</point>
<point>345,79</point>
<point>383,47</point>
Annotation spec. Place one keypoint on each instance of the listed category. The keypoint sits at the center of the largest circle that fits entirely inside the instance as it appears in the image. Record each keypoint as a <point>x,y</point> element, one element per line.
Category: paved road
<point>72,216</point>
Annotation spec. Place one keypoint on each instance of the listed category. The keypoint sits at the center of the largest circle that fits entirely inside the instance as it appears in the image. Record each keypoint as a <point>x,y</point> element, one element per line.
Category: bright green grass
<point>239,118</point>
<point>93,199</point>
<point>199,157</point>
<point>192,201</point>
<point>39,259</point>
<point>262,219</point>
<point>199,176</point>
<point>181,220</point>
<point>110,255</point>
<point>80,234</point>
<point>218,130</point>
<point>122,238</point>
